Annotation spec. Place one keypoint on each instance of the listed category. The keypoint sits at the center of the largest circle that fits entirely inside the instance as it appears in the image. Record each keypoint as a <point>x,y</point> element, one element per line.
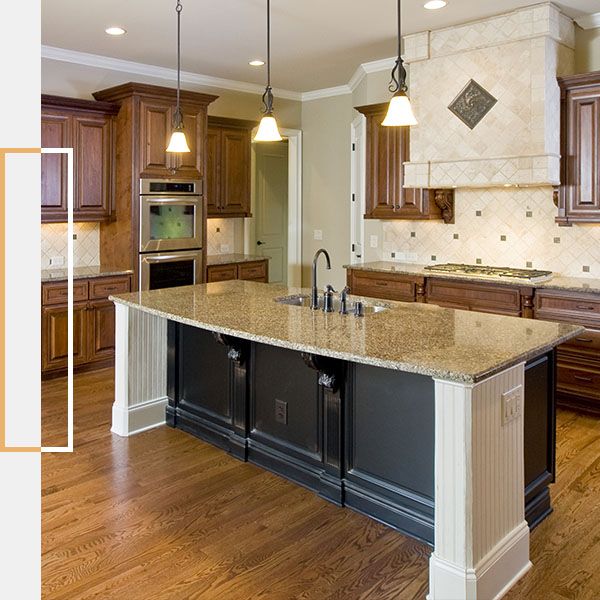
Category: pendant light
<point>268,130</point>
<point>178,142</point>
<point>399,112</point>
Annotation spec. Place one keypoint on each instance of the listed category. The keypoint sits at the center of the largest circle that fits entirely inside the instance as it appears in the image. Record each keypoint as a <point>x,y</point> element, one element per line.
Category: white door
<point>357,203</point>
<point>271,207</point>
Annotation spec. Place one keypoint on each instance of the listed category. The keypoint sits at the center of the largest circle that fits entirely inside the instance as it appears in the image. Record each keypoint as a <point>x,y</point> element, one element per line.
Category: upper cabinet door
<point>155,130</point>
<point>56,133</point>
<point>92,141</point>
<point>191,164</point>
<point>213,173</point>
<point>235,172</point>
<point>583,167</point>
<point>385,152</point>
<point>578,197</point>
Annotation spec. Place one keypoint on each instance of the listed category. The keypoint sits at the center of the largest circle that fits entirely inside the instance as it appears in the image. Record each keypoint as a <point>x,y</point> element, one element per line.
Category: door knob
<point>259,243</point>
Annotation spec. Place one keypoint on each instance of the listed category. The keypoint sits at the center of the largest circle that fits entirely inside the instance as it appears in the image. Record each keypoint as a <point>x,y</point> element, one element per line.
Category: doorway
<point>358,131</point>
<point>275,228</point>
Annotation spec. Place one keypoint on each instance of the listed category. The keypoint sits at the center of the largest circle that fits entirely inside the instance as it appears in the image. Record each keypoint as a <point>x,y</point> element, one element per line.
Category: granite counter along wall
<point>501,227</point>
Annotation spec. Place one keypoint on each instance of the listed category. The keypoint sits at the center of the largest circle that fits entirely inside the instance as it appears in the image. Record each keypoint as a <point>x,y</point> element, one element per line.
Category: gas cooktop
<point>530,275</point>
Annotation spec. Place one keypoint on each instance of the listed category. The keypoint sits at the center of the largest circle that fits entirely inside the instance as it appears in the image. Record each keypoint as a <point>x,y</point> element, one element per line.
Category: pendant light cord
<point>267,97</point>
<point>398,81</point>
<point>178,8</point>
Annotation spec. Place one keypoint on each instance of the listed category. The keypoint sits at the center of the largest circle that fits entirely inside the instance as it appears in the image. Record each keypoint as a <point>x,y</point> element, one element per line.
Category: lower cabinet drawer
<point>221,273</point>
<point>379,285</point>
<point>103,288</point>
<point>588,342</point>
<point>474,296</point>
<point>253,271</point>
<point>57,293</point>
<point>579,381</point>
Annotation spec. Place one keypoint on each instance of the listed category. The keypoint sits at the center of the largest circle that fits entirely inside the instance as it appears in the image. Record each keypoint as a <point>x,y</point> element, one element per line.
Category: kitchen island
<point>436,421</point>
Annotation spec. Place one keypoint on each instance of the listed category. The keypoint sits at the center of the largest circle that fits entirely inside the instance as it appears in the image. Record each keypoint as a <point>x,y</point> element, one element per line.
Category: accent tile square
<point>472,104</point>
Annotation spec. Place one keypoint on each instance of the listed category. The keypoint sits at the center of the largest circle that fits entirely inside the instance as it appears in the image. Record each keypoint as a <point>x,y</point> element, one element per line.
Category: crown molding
<point>126,66</point>
<point>340,90</point>
<point>589,21</point>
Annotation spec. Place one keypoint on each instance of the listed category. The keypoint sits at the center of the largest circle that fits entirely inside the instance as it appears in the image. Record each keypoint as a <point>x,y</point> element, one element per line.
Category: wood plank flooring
<point>162,515</point>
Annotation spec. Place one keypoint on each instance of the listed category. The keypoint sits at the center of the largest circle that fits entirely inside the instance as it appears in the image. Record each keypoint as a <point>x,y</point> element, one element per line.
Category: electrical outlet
<point>224,248</point>
<point>411,257</point>
<point>374,241</point>
<point>281,413</point>
<point>57,261</point>
<point>401,256</point>
<point>511,404</point>
<point>318,234</point>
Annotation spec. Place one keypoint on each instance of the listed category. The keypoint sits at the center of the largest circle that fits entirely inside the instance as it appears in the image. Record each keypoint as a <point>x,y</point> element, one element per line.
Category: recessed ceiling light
<point>115,31</point>
<point>256,62</point>
<point>435,4</point>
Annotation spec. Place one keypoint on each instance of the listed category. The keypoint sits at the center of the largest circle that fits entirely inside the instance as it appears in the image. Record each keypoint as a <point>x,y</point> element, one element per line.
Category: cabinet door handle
<point>382,283</point>
<point>584,340</point>
<point>581,378</point>
<point>582,307</point>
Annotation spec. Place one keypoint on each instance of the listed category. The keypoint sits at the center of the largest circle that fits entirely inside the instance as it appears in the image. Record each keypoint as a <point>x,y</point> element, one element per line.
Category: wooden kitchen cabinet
<point>228,167</point>
<point>88,128</point>
<point>156,125</point>
<point>93,323</point>
<point>387,149</point>
<point>143,127</point>
<point>248,271</point>
<point>578,197</point>
<point>578,361</point>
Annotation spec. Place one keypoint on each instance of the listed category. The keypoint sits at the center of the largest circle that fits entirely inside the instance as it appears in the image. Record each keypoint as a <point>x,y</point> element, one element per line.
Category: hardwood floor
<point>162,515</point>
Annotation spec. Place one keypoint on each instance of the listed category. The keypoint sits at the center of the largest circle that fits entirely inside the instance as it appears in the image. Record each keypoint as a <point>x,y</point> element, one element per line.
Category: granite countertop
<point>83,273</point>
<point>558,282</point>
<point>439,342</point>
<point>227,259</point>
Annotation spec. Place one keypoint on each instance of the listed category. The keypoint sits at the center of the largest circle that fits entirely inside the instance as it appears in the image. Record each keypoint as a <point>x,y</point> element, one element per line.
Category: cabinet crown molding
<point>126,90</point>
<point>79,104</point>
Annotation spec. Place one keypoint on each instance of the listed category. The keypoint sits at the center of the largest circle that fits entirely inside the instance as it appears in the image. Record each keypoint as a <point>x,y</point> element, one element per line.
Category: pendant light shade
<point>178,142</point>
<point>400,113</point>
<point>268,131</point>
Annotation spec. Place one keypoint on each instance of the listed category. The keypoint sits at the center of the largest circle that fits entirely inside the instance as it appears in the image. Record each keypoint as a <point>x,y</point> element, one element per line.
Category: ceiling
<point>315,43</point>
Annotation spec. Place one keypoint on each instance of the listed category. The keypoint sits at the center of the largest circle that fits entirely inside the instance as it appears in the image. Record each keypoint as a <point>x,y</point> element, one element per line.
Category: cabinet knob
<point>259,243</point>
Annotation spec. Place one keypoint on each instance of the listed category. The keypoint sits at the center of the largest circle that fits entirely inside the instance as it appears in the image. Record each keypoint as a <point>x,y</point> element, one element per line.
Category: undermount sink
<point>304,300</point>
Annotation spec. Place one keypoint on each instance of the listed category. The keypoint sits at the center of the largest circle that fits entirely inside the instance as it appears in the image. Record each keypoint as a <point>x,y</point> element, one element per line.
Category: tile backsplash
<point>511,227</point>
<point>221,236</point>
<point>86,246</point>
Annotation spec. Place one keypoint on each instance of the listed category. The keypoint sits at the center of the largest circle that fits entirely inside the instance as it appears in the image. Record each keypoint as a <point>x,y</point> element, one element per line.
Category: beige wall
<point>587,50</point>
<point>326,184</point>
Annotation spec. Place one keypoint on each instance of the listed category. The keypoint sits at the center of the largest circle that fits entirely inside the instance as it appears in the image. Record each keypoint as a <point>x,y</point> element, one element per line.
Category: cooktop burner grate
<point>532,275</point>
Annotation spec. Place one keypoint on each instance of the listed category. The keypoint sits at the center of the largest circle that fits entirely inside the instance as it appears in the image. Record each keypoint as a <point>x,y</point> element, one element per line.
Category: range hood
<point>514,58</point>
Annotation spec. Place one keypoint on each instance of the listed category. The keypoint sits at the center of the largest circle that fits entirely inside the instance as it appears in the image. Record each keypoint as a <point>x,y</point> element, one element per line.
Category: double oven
<point>171,228</point>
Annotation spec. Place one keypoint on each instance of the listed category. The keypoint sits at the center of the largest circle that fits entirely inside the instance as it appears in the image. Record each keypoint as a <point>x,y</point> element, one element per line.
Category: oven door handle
<point>170,258</point>
<point>194,201</point>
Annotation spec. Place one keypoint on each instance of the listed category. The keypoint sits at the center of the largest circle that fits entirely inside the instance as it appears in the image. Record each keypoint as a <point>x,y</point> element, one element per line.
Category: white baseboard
<point>491,579</point>
<point>135,419</point>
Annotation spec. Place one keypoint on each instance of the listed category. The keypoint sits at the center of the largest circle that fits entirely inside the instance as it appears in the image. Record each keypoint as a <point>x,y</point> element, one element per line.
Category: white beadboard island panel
<point>481,537</point>
<point>140,371</point>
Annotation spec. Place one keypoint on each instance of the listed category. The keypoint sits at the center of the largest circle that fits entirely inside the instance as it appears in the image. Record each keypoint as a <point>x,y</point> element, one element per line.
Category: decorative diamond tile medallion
<point>472,104</point>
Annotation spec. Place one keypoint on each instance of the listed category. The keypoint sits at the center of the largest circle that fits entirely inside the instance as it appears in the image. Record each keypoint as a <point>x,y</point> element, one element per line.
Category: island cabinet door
<point>390,448</point>
<point>294,419</point>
